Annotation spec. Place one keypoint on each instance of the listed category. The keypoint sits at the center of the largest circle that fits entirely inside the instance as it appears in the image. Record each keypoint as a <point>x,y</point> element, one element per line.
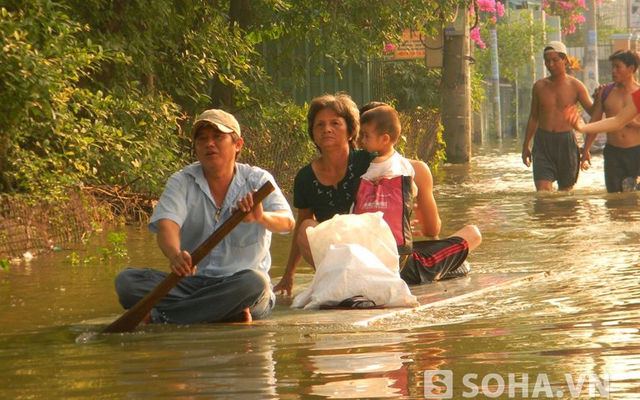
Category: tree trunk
<point>456,93</point>
<point>240,16</point>
<point>4,150</point>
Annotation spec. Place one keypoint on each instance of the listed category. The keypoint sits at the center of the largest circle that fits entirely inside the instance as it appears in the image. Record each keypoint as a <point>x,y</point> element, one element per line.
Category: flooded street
<point>554,337</point>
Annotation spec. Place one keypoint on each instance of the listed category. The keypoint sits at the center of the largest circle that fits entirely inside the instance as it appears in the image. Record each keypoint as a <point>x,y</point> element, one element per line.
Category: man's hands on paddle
<point>180,264</point>
<point>169,242</point>
<point>245,204</point>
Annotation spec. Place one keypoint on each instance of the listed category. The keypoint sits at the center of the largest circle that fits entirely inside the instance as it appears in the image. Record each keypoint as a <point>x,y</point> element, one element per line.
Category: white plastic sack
<point>369,230</point>
<point>349,270</point>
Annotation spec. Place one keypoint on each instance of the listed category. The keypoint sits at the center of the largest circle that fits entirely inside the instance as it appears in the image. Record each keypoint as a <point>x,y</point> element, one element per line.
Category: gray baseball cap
<point>556,46</point>
<point>224,121</point>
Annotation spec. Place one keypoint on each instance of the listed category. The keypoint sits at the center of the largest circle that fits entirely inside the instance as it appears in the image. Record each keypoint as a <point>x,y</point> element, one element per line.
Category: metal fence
<point>31,226</point>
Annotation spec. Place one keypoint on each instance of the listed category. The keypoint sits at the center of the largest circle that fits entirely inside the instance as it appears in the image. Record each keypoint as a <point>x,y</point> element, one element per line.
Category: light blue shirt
<point>187,201</point>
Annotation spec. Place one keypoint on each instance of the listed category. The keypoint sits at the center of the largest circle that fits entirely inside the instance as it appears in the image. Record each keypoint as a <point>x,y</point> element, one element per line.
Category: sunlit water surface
<point>582,319</point>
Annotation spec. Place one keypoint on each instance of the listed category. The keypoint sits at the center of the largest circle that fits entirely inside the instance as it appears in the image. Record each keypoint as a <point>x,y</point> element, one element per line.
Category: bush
<point>60,133</point>
<point>276,139</point>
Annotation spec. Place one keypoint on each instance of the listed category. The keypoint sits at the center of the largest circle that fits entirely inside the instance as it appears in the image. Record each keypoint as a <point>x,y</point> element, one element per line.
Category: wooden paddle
<point>132,317</point>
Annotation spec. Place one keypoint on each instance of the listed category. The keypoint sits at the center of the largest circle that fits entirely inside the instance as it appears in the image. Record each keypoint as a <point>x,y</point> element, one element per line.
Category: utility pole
<point>495,81</point>
<point>590,77</point>
<point>456,89</point>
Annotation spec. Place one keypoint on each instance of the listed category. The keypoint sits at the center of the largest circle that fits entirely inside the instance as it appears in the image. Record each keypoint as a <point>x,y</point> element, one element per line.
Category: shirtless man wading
<point>555,154</point>
<point>622,152</point>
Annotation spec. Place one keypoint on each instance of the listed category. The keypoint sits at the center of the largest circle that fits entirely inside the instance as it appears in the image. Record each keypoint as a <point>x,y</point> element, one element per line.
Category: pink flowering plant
<point>571,13</point>
<point>518,40</point>
<point>485,13</point>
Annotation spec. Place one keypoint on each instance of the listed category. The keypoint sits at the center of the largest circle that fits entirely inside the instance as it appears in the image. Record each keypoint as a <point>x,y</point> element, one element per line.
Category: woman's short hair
<point>341,104</point>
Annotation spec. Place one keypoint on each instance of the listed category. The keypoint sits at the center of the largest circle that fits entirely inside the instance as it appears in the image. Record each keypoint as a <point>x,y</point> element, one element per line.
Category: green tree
<point>58,131</point>
<point>519,38</point>
<point>101,92</point>
<point>410,84</point>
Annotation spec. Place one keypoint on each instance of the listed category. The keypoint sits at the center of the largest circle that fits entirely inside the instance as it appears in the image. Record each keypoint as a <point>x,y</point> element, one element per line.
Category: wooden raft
<point>429,295</point>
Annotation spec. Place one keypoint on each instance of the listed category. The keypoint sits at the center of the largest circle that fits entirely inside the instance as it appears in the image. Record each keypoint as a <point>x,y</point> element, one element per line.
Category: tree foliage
<point>407,84</point>
<point>519,38</point>
<point>59,131</point>
<point>102,92</point>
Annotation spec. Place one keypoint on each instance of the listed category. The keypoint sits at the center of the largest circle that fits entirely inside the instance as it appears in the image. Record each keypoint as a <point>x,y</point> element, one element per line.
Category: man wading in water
<point>622,152</point>
<point>555,154</point>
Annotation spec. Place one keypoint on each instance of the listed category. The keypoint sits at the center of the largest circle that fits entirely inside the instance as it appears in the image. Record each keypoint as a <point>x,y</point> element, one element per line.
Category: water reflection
<point>583,318</point>
<point>367,366</point>
<point>370,388</point>
<point>624,207</point>
<point>198,362</point>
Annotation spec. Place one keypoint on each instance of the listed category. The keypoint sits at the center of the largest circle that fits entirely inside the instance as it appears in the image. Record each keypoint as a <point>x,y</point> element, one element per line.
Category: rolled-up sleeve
<point>172,204</point>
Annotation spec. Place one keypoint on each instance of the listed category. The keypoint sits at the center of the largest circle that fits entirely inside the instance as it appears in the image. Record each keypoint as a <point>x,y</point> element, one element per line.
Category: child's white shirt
<point>392,166</point>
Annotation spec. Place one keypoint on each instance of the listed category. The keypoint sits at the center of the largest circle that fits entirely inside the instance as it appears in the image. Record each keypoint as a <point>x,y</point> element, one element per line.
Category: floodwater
<point>571,334</point>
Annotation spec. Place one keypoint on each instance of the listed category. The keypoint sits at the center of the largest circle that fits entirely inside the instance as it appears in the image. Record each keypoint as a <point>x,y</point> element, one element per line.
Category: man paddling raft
<point>232,282</point>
